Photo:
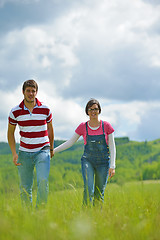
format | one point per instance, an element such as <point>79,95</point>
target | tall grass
<point>130,212</point>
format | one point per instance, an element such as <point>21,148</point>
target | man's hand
<point>51,152</point>
<point>12,143</point>
<point>111,173</point>
<point>15,159</point>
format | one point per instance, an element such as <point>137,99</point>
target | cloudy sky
<point>82,49</point>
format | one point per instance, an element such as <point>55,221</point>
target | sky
<point>82,49</point>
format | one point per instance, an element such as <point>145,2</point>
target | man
<point>36,143</point>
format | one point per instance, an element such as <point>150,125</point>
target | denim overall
<point>95,164</point>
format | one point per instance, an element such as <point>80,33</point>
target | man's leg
<point>26,170</point>
<point>42,169</point>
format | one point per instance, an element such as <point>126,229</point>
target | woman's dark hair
<point>90,103</point>
<point>30,83</point>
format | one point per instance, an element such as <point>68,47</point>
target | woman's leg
<point>101,177</point>
<point>88,178</point>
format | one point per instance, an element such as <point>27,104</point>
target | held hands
<point>111,173</point>
<point>51,152</point>
<point>15,159</point>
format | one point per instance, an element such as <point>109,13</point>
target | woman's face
<point>93,111</point>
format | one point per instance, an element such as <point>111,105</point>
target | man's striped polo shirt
<point>33,126</point>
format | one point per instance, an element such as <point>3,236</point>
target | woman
<point>98,159</point>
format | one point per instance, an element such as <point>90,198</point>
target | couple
<point>37,147</point>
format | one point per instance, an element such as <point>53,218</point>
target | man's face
<point>30,94</point>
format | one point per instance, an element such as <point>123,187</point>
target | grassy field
<point>130,212</point>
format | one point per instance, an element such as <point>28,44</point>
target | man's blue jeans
<point>95,180</point>
<point>29,160</point>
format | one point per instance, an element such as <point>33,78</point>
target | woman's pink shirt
<point>81,130</point>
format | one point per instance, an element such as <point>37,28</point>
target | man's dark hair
<point>30,83</point>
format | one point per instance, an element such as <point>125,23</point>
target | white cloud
<point>67,113</point>
<point>103,49</point>
<point>137,120</point>
<point>149,129</point>
<point>38,44</point>
<point>10,100</point>
<point>102,31</point>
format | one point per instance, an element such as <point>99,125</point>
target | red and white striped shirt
<point>32,125</point>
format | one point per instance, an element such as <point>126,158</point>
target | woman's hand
<point>111,173</point>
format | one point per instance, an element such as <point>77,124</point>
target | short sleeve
<point>80,129</point>
<point>11,119</point>
<point>49,118</point>
<point>108,128</point>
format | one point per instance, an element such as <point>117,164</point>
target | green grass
<point>130,212</point>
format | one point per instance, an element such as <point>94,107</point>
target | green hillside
<point>4,147</point>
<point>135,161</point>
<point>132,208</point>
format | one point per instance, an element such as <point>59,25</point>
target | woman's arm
<point>67,144</point>
<point>112,149</point>
<point>51,137</point>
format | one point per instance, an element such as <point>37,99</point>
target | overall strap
<point>86,129</point>
<point>103,127</point>
<point>87,133</point>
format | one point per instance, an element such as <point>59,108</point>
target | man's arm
<point>12,142</point>
<point>51,137</point>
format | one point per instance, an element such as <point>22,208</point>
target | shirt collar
<point>22,105</point>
